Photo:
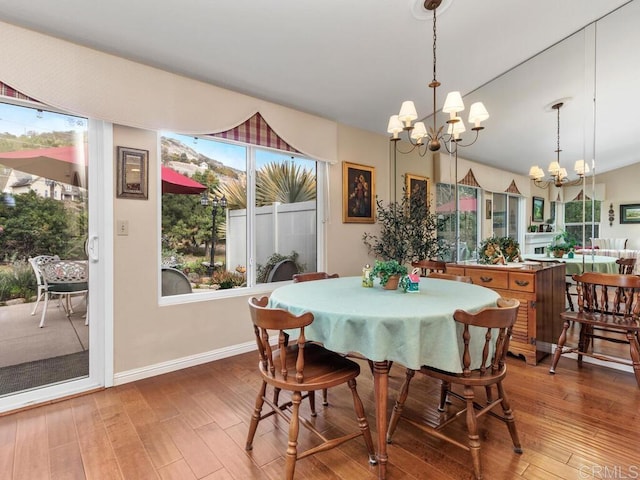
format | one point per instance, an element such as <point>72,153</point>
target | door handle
<point>92,248</point>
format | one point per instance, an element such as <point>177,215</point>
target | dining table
<point>580,263</point>
<point>383,326</point>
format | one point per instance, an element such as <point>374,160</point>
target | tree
<point>408,230</point>
<point>35,226</point>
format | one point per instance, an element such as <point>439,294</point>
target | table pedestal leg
<point>381,389</point>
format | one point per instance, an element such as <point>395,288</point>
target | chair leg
<point>44,308</point>
<point>444,396</point>
<point>276,396</point>
<point>561,341</point>
<point>397,408</point>
<point>569,299</point>
<point>312,403</point>
<point>325,399</point>
<point>294,427</point>
<point>35,307</point>
<point>472,432</point>
<point>634,346</point>
<point>362,421</point>
<point>509,420</point>
<point>255,418</point>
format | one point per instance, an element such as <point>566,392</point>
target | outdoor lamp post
<point>215,204</point>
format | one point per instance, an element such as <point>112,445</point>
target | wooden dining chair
<point>299,368</point>
<point>310,276</point>
<point>608,310</point>
<point>479,370</point>
<point>626,265</point>
<point>450,276</point>
<point>427,266</point>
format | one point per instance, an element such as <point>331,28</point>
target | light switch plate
<point>122,227</point>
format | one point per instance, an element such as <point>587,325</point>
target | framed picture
<point>358,193</point>
<point>538,210</point>
<point>417,185</point>
<point>630,213</point>
<point>488,208</point>
<point>132,173</point>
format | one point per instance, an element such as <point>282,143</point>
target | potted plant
<point>389,272</point>
<point>559,249</point>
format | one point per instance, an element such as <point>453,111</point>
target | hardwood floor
<point>577,424</point>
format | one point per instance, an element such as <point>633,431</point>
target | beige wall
<point>621,188</point>
<point>146,334</point>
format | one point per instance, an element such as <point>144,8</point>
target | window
<point>251,229</point>
<point>468,219</point>
<point>573,220</point>
<point>506,221</point>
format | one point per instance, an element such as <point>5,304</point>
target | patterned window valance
<point>7,91</point>
<point>513,188</point>
<point>469,179</point>
<point>256,131</point>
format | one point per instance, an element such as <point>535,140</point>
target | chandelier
<point>559,175</point>
<point>431,138</point>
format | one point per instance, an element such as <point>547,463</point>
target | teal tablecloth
<point>592,263</point>
<point>413,329</point>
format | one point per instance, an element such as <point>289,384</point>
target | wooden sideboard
<point>541,291</point>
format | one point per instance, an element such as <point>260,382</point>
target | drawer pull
<point>486,279</point>
<point>522,283</point>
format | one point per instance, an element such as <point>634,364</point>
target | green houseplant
<point>389,272</point>
<point>408,230</point>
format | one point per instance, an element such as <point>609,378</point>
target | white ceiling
<point>355,61</point>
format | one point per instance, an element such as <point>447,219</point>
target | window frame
<point>253,288</point>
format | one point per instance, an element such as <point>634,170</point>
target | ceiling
<point>355,61</point>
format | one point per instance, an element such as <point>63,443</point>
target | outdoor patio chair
<point>65,278</point>
<point>36,264</point>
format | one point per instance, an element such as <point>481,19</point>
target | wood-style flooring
<point>191,424</point>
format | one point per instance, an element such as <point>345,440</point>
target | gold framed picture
<point>417,185</point>
<point>358,193</point>
<point>132,173</point>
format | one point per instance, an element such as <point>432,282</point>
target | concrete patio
<point>21,340</point>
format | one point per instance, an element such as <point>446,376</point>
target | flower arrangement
<point>499,250</point>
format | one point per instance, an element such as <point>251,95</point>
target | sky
<point>234,155</point>
<point>18,120</point>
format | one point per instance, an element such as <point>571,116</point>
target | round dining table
<point>411,328</point>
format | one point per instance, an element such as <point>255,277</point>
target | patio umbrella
<point>62,164</point>
<point>174,182</point>
<point>466,205</point>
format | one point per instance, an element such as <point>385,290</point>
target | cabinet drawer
<point>455,270</point>
<point>490,278</point>
<point>522,282</point>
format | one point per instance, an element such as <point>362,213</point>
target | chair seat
<point>608,320</point>
<point>68,287</point>
<point>322,369</point>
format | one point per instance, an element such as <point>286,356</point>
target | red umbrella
<point>466,205</point>
<point>174,182</point>
<point>62,164</point>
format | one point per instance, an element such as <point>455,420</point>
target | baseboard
<point>178,364</point>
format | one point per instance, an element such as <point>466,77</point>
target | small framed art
<point>132,172</point>
<point>537,211</point>
<point>630,213</point>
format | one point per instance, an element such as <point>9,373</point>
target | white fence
<point>280,228</point>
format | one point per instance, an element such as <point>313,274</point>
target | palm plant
<point>285,183</point>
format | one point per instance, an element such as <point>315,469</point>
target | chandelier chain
<point>435,37</point>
